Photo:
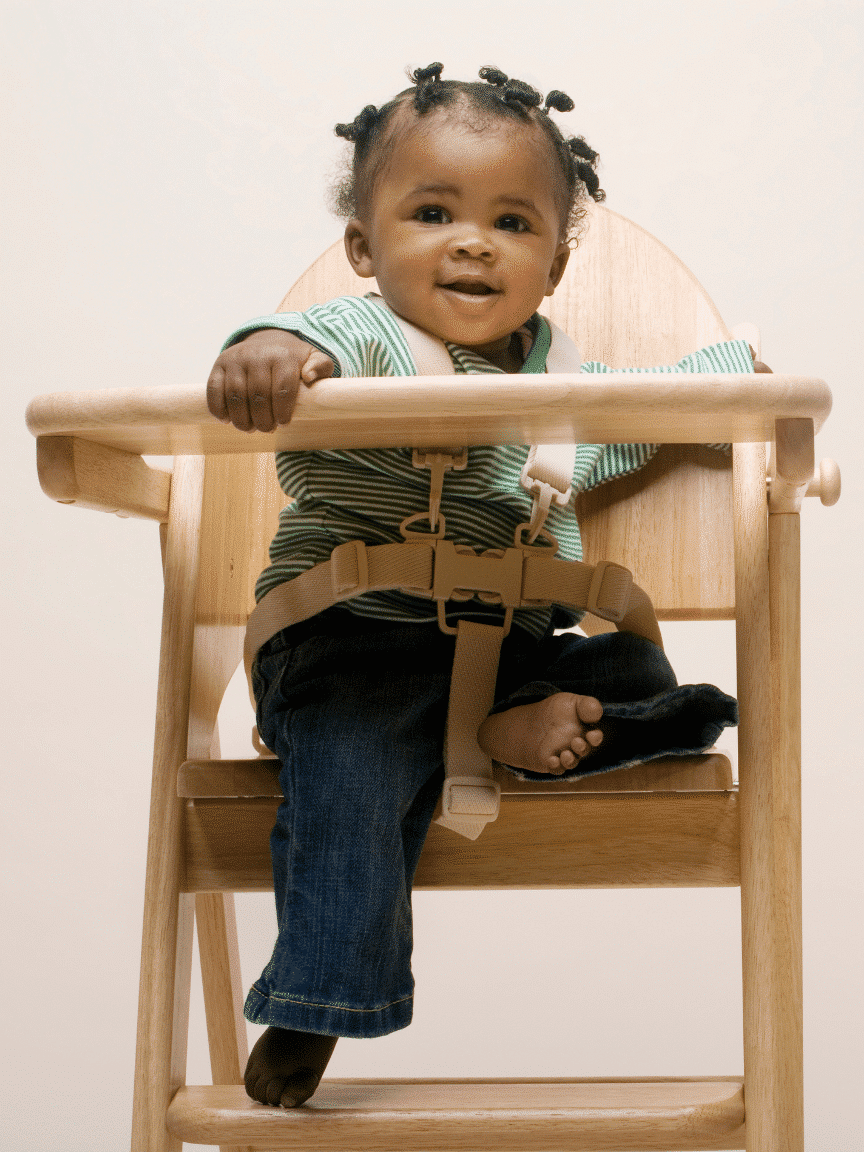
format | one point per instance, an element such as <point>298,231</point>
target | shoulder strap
<point>430,354</point>
<point>548,471</point>
<point>563,354</point>
<point>432,358</point>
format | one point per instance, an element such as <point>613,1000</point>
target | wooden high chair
<point>702,538</point>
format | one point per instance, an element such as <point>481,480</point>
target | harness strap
<point>471,797</point>
<point>428,565</point>
<point>547,473</point>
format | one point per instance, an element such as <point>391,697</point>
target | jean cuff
<point>327,1019</point>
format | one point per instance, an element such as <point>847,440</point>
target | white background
<point>164,175</point>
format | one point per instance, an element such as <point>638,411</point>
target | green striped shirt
<point>351,494</point>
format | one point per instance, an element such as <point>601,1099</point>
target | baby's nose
<point>475,244</point>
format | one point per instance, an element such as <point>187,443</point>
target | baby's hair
<point>373,136</point>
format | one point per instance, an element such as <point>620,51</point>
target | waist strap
<point>513,577</point>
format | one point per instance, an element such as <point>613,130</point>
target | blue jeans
<point>355,710</point>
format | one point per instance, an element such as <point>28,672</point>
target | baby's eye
<point>432,214</point>
<point>512,223</point>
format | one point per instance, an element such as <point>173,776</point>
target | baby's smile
<point>471,290</point>
<point>470,287</point>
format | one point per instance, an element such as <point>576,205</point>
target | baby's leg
<point>549,735</point>
<point>357,722</point>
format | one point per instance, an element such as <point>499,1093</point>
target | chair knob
<point>826,483</point>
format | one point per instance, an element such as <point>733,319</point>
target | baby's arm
<point>254,383</point>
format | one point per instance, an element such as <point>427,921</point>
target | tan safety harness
<point>425,564</point>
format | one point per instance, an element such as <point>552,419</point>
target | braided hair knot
<point>360,126</point>
<point>520,96</point>
<point>427,81</point>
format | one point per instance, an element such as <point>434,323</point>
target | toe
<point>274,1090</point>
<point>588,709</point>
<point>256,1087</point>
<point>300,1087</point>
<point>594,737</point>
<point>567,758</point>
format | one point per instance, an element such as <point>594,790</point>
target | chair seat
<point>474,1115</point>
<point>199,779</point>
<point>561,835</point>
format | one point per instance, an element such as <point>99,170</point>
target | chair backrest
<point>626,300</point>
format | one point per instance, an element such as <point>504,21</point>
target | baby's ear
<point>357,248</point>
<point>559,263</point>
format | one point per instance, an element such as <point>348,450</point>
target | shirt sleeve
<point>359,337</point>
<point>614,460</point>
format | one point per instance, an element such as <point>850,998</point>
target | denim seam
<point>333,1007</point>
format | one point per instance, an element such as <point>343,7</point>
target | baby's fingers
<point>237,397</point>
<point>260,397</point>
<point>317,367</point>
<point>216,402</point>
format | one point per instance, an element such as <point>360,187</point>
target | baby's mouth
<point>470,287</point>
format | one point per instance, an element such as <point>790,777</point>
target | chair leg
<point>770,819</point>
<point>785,607</point>
<point>223,990</point>
<point>166,950</point>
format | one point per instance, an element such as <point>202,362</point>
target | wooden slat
<point>643,840</point>
<point>198,779</point>
<point>475,1116</point>
<point>670,523</point>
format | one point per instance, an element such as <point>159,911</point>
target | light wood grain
<point>476,1115</point>
<point>792,464</point>
<point>769,839</point>
<point>198,779</point>
<point>671,523</point>
<point>575,840</point>
<point>223,990</point>
<point>166,948</point>
<point>240,506</point>
<point>75,471</point>
<point>428,410</point>
<point>787,1031</point>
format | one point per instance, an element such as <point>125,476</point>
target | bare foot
<point>285,1066</point>
<point>550,735</point>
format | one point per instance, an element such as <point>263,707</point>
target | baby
<point>461,202</point>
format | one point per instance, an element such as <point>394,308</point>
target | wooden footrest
<point>474,1116</point>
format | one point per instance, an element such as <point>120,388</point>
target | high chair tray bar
<point>426,411</point>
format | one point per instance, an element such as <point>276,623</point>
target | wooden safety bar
<point>425,411</point>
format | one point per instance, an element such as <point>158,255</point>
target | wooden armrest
<point>75,471</point>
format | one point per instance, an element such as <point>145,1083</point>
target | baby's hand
<point>254,384</point>
<point>758,366</point>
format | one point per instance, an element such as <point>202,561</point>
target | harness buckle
<point>476,796</point>
<point>459,572</point>
<point>349,569</point>
<point>609,593</point>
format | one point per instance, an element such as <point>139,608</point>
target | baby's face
<point>463,232</point>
